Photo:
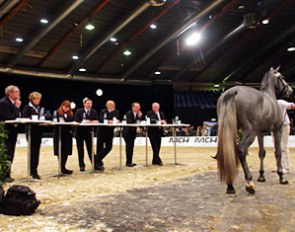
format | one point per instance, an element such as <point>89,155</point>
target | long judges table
<point>59,125</point>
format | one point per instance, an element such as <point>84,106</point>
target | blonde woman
<point>33,108</point>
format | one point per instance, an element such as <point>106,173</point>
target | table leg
<point>146,147</point>
<point>29,151</point>
<point>120,149</point>
<point>59,150</point>
<point>92,152</point>
<point>174,134</point>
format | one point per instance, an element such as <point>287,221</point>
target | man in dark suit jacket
<point>105,134</point>
<point>155,133</point>
<point>129,133</point>
<point>83,133</point>
<point>10,110</point>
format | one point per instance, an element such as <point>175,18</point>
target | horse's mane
<point>265,82</point>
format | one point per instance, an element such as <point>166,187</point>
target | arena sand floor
<point>185,197</point>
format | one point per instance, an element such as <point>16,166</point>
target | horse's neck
<point>269,90</point>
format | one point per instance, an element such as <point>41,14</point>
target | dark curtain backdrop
<point>54,91</point>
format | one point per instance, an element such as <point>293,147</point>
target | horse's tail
<point>227,150</point>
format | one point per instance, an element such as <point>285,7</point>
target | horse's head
<point>278,81</point>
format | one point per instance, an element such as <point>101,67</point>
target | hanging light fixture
<point>89,26</point>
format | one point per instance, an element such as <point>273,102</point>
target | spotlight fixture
<point>157,72</point>
<point>127,53</point>
<point>73,105</point>
<point>241,7</point>
<point>157,2</point>
<point>265,21</point>
<point>75,57</point>
<point>113,39</point>
<point>291,49</point>
<point>99,92</point>
<point>153,26</point>
<point>44,21</point>
<point>19,39</point>
<point>193,39</point>
<point>89,26</point>
<point>82,69</point>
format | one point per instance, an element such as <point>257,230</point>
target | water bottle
<point>105,119</point>
<point>114,120</point>
<point>42,116</point>
<point>55,116</point>
<point>176,120</point>
<point>124,119</point>
<point>148,120</point>
<point>84,117</point>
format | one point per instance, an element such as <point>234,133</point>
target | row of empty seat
<point>200,99</point>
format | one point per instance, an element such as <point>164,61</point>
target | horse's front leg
<point>261,177</point>
<point>247,140</point>
<point>278,154</point>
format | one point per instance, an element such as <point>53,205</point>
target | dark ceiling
<point>235,46</point>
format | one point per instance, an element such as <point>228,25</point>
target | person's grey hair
<point>9,89</point>
<point>86,99</point>
<point>156,103</point>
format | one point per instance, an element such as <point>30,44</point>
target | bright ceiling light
<point>153,26</point>
<point>241,7</point>
<point>291,49</point>
<point>89,27</point>
<point>82,69</point>
<point>73,105</point>
<point>19,39</point>
<point>127,53</point>
<point>113,39</point>
<point>75,57</point>
<point>44,21</point>
<point>99,92</point>
<point>265,21</point>
<point>157,72</point>
<point>216,85</point>
<point>193,39</point>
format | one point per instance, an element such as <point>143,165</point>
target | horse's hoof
<point>284,182</point>
<point>261,179</point>
<point>214,157</point>
<point>230,190</point>
<point>250,188</point>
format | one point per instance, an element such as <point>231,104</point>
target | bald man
<point>105,134</point>
<point>155,133</point>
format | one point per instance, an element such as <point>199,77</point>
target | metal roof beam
<point>12,11</point>
<point>100,6</point>
<point>7,6</point>
<point>173,36</point>
<point>44,32</point>
<point>137,33</point>
<point>257,58</point>
<point>140,9</point>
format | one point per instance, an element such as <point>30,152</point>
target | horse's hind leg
<point>247,140</point>
<point>261,177</point>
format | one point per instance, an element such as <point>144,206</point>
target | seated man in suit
<point>155,133</point>
<point>10,110</point>
<point>105,134</point>
<point>83,133</point>
<point>129,133</point>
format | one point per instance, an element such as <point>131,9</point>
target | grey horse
<point>254,112</point>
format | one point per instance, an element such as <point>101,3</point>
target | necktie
<point>158,115</point>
